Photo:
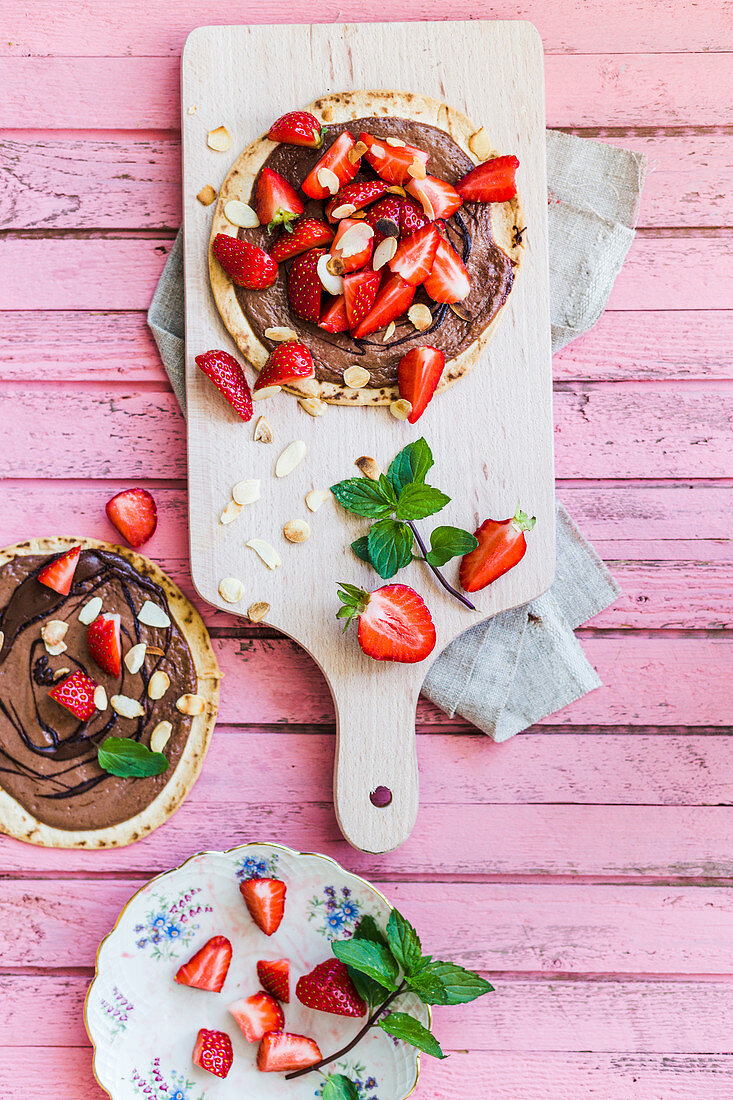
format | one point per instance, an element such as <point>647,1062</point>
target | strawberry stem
<point>436,571</point>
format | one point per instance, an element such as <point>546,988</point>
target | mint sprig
<point>127,758</point>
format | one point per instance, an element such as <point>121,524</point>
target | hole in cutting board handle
<point>380,797</point>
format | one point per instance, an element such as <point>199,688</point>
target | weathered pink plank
<point>659,271</point>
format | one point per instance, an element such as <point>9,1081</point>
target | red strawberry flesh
<point>274,975</point>
<point>229,378</point>
<point>392,162</point>
<point>244,263</point>
<point>333,316</point>
<point>256,1015</point>
<point>281,1052</point>
<point>76,693</point>
<point>134,514</point>
<point>393,299</point>
<point>438,198</point>
<point>59,573</point>
<point>103,642</point>
<point>357,195</point>
<point>304,285</point>
<point>396,625</point>
<point>492,181</point>
<point>276,202</point>
<point>265,900</point>
<point>418,375</point>
<point>501,544</point>
<point>287,363</point>
<point>207,969</point>
<point>329,988</point>
<point>297,128</point>
<point>448,280</point>
<point>336,159</point>
<point>413,260</point>
<point>360,291</point>
<point>306,233</point>
<point>213,1052</point>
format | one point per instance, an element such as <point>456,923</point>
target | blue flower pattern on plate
<point>337,912</point>
<point>257,867</point>
<point>169,924</point>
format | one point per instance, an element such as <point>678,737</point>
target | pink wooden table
<point>588,863</point>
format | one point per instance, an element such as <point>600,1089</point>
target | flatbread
<point>344,107</point>
<point>17,822</point>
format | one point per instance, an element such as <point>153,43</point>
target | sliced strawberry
<point>297,128</point>
<point>394,622</point>
<point>245,263</point>
<point>287,363</point>
<point>360,291</point>
<point>336,159</point>
<point>414,257</point>
<point>207,969</point>
<point>329,988</point>
<point>213,1052</point>
<point>265,899</point>
<point>333,317</point>
<point>134,514</point>
<point>274,975</point>
<point>492,181</point>
<point>228,377</point>
<point>103,642</point>
<point>304,285</point>
<point>387,212</point>
<point>501,544</point>
<point>412,217</point>
<point>418,374</point>
<point>353,245</point>
<point>437,197</point>
<point>276,202</point>
<point>393,299</point>
<point>256,1015</point>
<point>305,234</point>
<point>59,573</point>
<point>393,162</point>
<point>281,1051</point>
<point>448,280</point>
<point>76,693</point>
<point>356,195</point>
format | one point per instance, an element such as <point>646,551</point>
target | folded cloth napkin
<point>514,669</point>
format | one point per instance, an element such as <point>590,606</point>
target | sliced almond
<point>152,615</point>
<point>333,284</point>
<point>427,205</point>
<point>55,650</point>
<point>396,189</point>
<point>388,332</point>
<point>329,180</point>
<point>268,553</point>
<point>268,391</point>
<point>296,530</point>
<point>90,610</point>
<point>160,736</point>
<point>480,145</point>
<point>257,611</point>
<point>135,657</point>
<point>316,498</point>
<point>191,704</point>
<point>126,707</point>
<point>263,430</point>
<point>377,150</point>
<point>232,511</point>
<point>2,639</point>
<point>313,405</point>
<point>355,239</point>
<point>356,377</point>
<point>400,409</point>
<point>369,467</point>
<point>206,195</point>
<point>219,139</point>
<point>417,169</point>
<point>395,142</point>
<point>384,252</point>
<point>54,632</point>
<point>293,454</point>
<point>280,333</point>
<point>158,684</point>
<point>100,697</point>
<point>246,492</point>
<point>420,316</point>
<point>59,673</point>
<point>154,651</point>
<point>459,311</point>
<point>231,589</point>
<point>344,211</point>
<point>355,152</point>
<point>241,214</point>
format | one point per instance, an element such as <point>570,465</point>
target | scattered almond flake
<point>396,189</point>
<point>378,151</point>
<point>395,142</point>
<point>160,736</point>
<point>262,395</point>
<point>231,589</point>
<point>192,110</point>
<point>191,704</point>
<point>356,377</point>
<point>246,492</point>
<point>268,553</point>
<point>334,284</point>
<point>126,707</point>
<point>417,169</point>
<point>55,650</point>
<point>257,611</point>
<point>427,206</point>
<point>316,498</point>
<point>206,195</point>
<point>384,252</point>
<point>329,180</point>
<point>335,265</point>
<point>54,632</point>
<point>59,673</point>
<point>280,333</point>
<point>158,684</point>
<point>480,145</point>
<point>355,152</point>
<point>369,467</point>
<point>241,214</point>
<point>460,311</point>
<point>293,454</point>
<point>312,405</point>
<point>344,211</point>
<point>358,214</point>
<point>263,430</point>
<point>400,409</point>
<point>388,332</point>
<point>100,697</point>
<point>296,530</point>
<point>90,610</point>
<point>135,657</point>
<point>219,139</point>
<point>355,240</point>
<point>2,639</point>
<point>232,511</point>
<point>153,650</point>
<point>152,615</point>
<point>420,316</point>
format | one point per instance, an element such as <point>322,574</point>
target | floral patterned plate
<point>143,1025</point>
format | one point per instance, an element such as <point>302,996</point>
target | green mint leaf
<point>389,546</point>
<point>361,548</point>
<point>368,958</point>
<point>368,990</point>
<point>338,1087</point>
<point>460,985</point>
<point>127,758</point>
<point>368,929</point>
<point>404,942</point>
<point>411,464</point>
<point>428,987</point>
<point>411,1031</point>
<point>418,501</point>
<point>374,499</point>
<point>449,542</point>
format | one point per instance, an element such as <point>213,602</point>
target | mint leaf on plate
<point>428,987</point>
<point>407,1028</point>
<point>404,942</point>
<point>389,546</point>
<point>338,1087</point>
<point>449,542</point>
<point>411,464</point>
<point>361,548</point>
<point>418,501</point>
<point>460,985</point>
<point>364,497</point>
<point>368,958</point>
<point>368,990</point>
<point>127,758</point>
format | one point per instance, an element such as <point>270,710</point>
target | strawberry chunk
<point>492,181</point>
<point>207,969</point>
<point>76,693</point>
<point>297,128</point>
<point>393,299</point>
<point>353,244</point>
<point>360,291</point>
<point>418,374</point>
<point>276,202</point>
<point>305,233</point>
<point>287,363</point>
<point>501,544</point>
<point>256,1015</point>
<point>437,197</point>
<point>281,1051</point>
<point>213,1052</point>
<point>393,162</point>
<point>244,263</point>
<point>103,642</point>
<point>336,160</point>
<point>304,285</point>
<point>265,899</point>
<point>414,257</point>
<point>59,573</point>
<point>333,317</point>
<point>356,195</point>
<point>274,975</point>
<point>134,513</point>
<point>394,622</point>
<point>329,988</point>
<point>412,217</point>
<point>448,280</point>
<point>229,378</point>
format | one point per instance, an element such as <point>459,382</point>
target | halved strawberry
<point>492,181</point>
<point>287,363</point>
<point>213,1052</point>
<point>394,622</point>
<point>501,544</point>
<point>304,285</point>
<point>356,195</point>
<point>256,1015</point>
<point>76,693</point>
<point>275,202</point>
<point>437,197</point>
<point>392,162</point>
<point>274,975</point>
<point>333,317</point>
<point>360,291</point>
<point>245,263</point>
<point>329,988</point>
<point>134,514</point>
<point>59,573</point>
<point>414,257</point>
<point>412,217</point>
<point>229,378</point>
<point>207,969</point>
<point>103,642</point>
<point>353,244</point>
<point>297,128</point>
<point>281,1051</point>
<point>336,159</point>
<point>418,374</point>
<point>448,280</point>
<point>305,233</point>
<point>393,299</point>
<point>265,899</point>
<point>387,211</point>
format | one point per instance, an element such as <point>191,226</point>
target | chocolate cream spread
<point>47,756</point>
<point>469,231</point>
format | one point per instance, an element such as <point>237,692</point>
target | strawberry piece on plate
<point>393,162</point>
<point>297,128</point>
<point>333,317</point>
<point>353,197</point>
<point>213,1052</point>
<point>360,291</point>
<point>265,899</point>
<point>76,693</point>
<point>305,233</point>
<point>393,299</point>
<point>59,573</point>
<point>287,363</point>
<point>448,280</point>
<point>437,197</point>
<point>339,169</point>
<point>228,377</point>
<point>276,202</point>
<point>281,1051</point>
<point>256,1015</point>
<point>134,514</point>
<point>207,969</point>
<point>413,260</point>
<point>329,988</point>
<point>352,246</point>
<point>305,286</point>
<point>384,218</point>
<point>394,622</point>
<point>412,217</point>
<point>492,181</point>
<point>274,975</point>
<point>418,374</point>
<point>501,544</point>
<point>245,263</point>
<point>103,642</point>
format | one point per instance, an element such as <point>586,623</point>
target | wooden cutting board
<point>491,433</point>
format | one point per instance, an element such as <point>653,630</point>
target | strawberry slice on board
<point>340,170</point>
<point>297,128</point>
<point>393,162</point>
<point>352,246</point>
<point>353,197</point>
<point>59,573</point>
<point>413,260</point>
<point>265,900</point>
<point>281,1051</point>
<point>393,300</point>
<point>384,217</point>
<point>288,362</point>
<point>213,1052</point>
<point>208,968</point>
<point>76,693</point>
<point>229,378</point>
<point>274,975</point>
<point>103,643</point>
<point>305,286</point>
<point>501,544</point>
<point>134,513</point>
<point>418,375</point>
<point>276,202</point>
<point>448,280</point>
<point>244,263</point>
<point>329,988</point>
<point>394,622</point>
<point>256,1015</point>
<point>437,198</point>
<point>360,292</point>
<point>304,234</point>
<point>333,317</point>
<point>492,181</point>
<point>412,217</point>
